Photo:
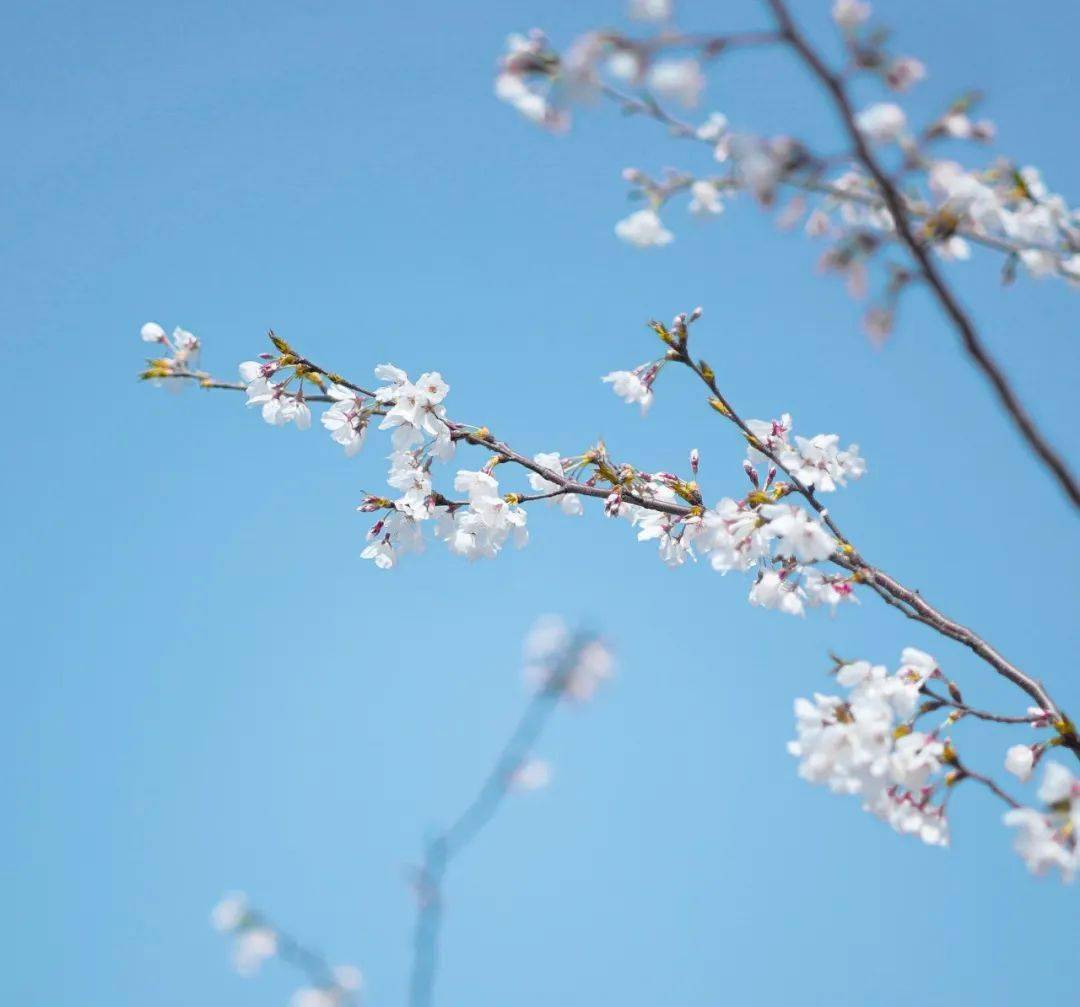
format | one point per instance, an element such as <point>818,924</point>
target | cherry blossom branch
<point>579,664</point>
<point>206,381</point>
<point>865,745</point>
<point>888,588</point>
<point>906,600</point>
<point>790,162</point>
<point>976,350</point>
<point>649,106</point>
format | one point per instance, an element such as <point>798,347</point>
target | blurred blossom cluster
<point>256,940</point>
<point>557,660</point>
<point>998,203</point>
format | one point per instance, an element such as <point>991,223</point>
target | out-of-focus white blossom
<point>346,980</point>
<point>849,14</point>
<point>883,122</point>
<point>713,128</point>
<point>532,774</point>
<point>904,73</point>
<point>679,80</point>
<point>651,10</point>
<point>230,912</point>
<point>560,662</point>
<point>253,946</point>
<point>1048,839</point>
<point>348,977</point>
<point>524,81</point>
<point>644,229</point>
<point>547,639</point>
<point>1020,761</point>
<point>705,199</point>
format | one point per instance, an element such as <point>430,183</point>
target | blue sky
<point>207,689</point>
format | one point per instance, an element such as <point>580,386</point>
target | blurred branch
<point>442,849</point>
<point>897,206</point>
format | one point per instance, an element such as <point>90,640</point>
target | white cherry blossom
<point>797,533</point>
<point>705,201</point>
<point>644,229</point>
<point>849,14</point>
<point>1020,761</point>
<point>883,122</point>
<point>862,745</point>
<point>568,503</point>
<point>631,388</point>
<point>346,419</point>
<point>651,10</point>
<point>680,80</point>
<point>230,912</point>
<point>532,774</point>
<point>253,946</point>
<point>1048,839</point>
<point>773,590</point>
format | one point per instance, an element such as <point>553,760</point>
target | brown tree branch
<point>890,590</point>
<point>970,339</point>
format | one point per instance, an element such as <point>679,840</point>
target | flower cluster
<point>525,80</point>
<point>758,533</point>
<point>182,352</point>
<point>777,542</point>
<point>1003,206</point>
<point>557,662</point>
<point>865,743</point>
<point>1050,838</point>
<point>862,744</point>
<point>255,941</point>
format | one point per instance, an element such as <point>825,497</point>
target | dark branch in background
<point>651,108</point>
<point>972,343</point>
<point>451,842</point>
<point>313,965</point>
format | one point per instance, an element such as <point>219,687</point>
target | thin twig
<point>979,714</point>
<point>970,774</point>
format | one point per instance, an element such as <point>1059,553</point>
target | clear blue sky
<point>207,689</point>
